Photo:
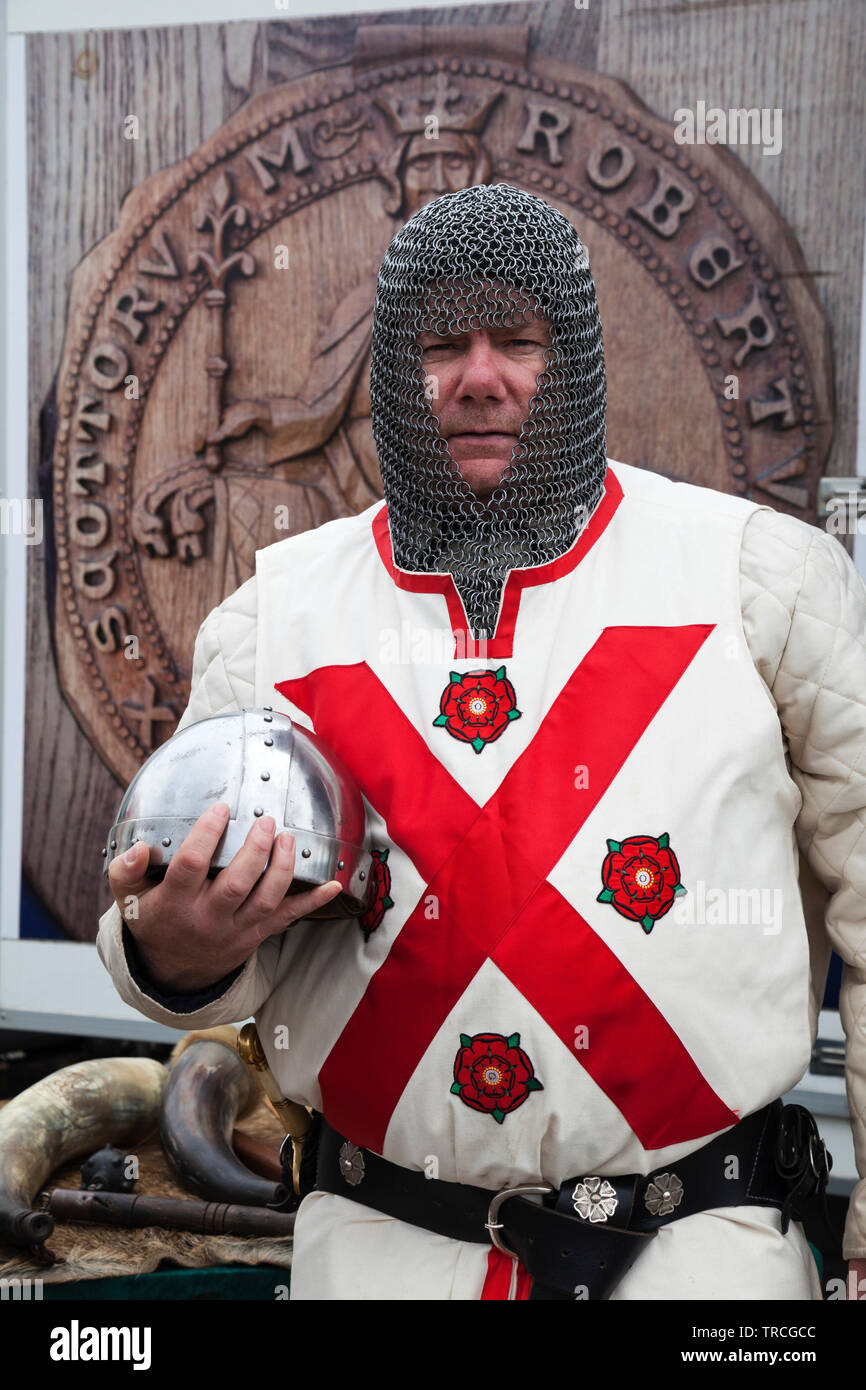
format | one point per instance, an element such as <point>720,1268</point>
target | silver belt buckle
<point>494,1226</point>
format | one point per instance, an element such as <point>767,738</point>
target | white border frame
<point>45,986</point>
<point>860,539</point>
<point>13,549</point>
<point>58,986</point>
<point>53,16</point>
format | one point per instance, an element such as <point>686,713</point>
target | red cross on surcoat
<point>487,868</point>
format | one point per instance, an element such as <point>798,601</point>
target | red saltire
<point>488,868</point>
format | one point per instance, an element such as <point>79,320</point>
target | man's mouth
<point>482,434</point>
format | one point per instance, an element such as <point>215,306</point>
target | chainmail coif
<point>488,255</point>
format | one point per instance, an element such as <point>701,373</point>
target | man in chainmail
<point>624,729</point>
<point>487,256</point>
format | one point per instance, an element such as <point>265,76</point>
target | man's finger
<point>234,884</point>
<point>188,870</point>
<point>127,875</point>
<point>270,891</point>
<point>299,905</point>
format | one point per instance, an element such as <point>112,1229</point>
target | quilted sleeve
<point>804,612</point>
<point>224,660</point>
<point>223,679</point>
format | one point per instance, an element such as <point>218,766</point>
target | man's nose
<point>481,371</point>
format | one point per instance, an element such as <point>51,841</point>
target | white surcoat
<point>588,951</point>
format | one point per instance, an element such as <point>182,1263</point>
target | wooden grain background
<point>805,56</point>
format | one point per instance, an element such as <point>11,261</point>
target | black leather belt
<point>578,1240</point>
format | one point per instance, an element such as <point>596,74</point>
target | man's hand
<point>191,930</point>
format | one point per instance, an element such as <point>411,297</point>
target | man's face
<point>481,383</point>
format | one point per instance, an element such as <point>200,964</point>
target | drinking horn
<point>62,1117</point>
<point>209,1088</point>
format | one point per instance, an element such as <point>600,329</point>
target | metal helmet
<point>489,255</point>
<point>260,763</point>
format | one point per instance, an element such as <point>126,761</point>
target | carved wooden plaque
<point>213,394</point>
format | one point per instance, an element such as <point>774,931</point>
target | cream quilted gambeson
<point>804,611</point>
<point>804,615</point>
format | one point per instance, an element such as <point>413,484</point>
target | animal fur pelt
<point>96,1252</point>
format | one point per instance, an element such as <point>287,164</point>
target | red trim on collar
<point>501,645</point>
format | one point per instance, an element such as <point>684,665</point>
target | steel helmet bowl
<point>260,763</point>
